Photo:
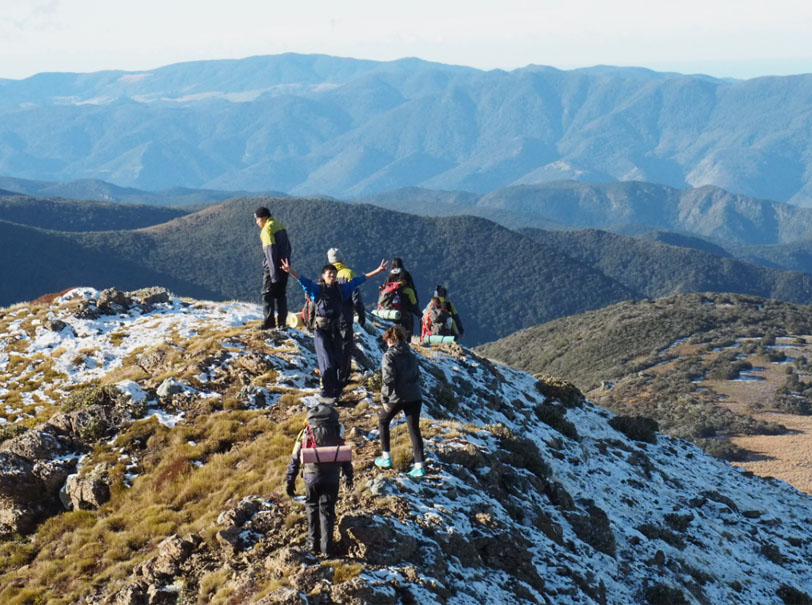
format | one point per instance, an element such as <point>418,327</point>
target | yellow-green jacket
<point>275,247</point>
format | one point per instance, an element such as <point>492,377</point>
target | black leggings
<point>412,411</point>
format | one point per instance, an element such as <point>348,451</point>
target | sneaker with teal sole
<point>417,472</point>
<point>383,462</point>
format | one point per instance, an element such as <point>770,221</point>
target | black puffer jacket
<point>400,375</point>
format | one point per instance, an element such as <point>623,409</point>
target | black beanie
<point>262,212</point>
<point>397,263</point>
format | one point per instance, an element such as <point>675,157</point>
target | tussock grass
<point>244,452</point>
<point>344,571</point>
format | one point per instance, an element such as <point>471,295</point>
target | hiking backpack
<point>391,296</point>
<point>438,320</point>
<point>310,307</point>
<point>322,442</point>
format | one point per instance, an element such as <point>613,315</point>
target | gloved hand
<point>348,485</point>
<point>290,490</point>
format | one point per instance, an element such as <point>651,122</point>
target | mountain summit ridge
<point>532,493</point>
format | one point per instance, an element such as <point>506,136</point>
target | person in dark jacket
<point>352,306</point>
<point>328,295</point>
<point>400,390</point>
<point>275,249</point>
<point>321,485</point>
<point>410,302</point>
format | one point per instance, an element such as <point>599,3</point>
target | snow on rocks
<point>530,496</point>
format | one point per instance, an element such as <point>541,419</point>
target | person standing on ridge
<point>352,306</point>
<point>400,390</point>
<point>275,249</point>
<point>399,286</point>
<point>328,296</point>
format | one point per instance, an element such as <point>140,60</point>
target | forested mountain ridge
<point>310,124</point>
<point>99,190</point>
<point>708,212</point>
<point>490,272</point>
<point>655,269</point>
<point>80,215</point>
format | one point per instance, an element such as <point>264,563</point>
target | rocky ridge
<point>166,425</point>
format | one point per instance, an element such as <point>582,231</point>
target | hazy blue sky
<point>739,38</point>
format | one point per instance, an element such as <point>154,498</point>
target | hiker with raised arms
<point>400,390</point>
<point>352,306</point>
<point>328,297</point>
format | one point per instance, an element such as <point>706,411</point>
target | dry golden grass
<point>244,452</point>
<point>786,457</point>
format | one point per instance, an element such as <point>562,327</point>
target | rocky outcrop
<point>87,492</point>
<point>112,301</point>
<point>375,540</point>
<point>35,466</point>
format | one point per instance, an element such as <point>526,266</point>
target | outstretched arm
<point>381,268</point>
<point>286,267</point>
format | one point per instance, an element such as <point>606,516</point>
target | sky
<point>722,38</point>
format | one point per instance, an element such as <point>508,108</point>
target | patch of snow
<point>78,294</point>
<point>165,418</point>
<point>132,389</point>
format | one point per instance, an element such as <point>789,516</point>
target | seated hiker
<point>437,319</point>
<point>441,293</point>
<point>352,306</point>
<point>398,293</point>
<point>321,479</point>
<point>328,297</point>
<point>400,390</point>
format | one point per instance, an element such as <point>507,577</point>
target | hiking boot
<point>383,462</point>
<point>417,472</point>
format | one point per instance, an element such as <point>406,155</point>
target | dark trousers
<point>274,293</point>
<point>407,321</point>
<point>347,348</point>
<point>320,507</point>
<point>412,411</point>
<point>328,352</point>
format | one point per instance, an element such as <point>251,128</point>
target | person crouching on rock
<point>328,296</point>
<point>400,390</point>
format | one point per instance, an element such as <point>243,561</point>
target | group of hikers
<point>331,305</point>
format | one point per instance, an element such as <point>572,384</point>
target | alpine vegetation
<point>144,445</point>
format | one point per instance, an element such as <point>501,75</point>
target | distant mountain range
<point>629,207</point>
<point>98,190</point>
<point>308,124</point>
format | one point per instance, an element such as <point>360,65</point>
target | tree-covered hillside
<point>501,281</point>
<point>621,339</point>
<point>658,269</point>
<point>630,207</point>
<point>80,215</point>
<point>36,262</point>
